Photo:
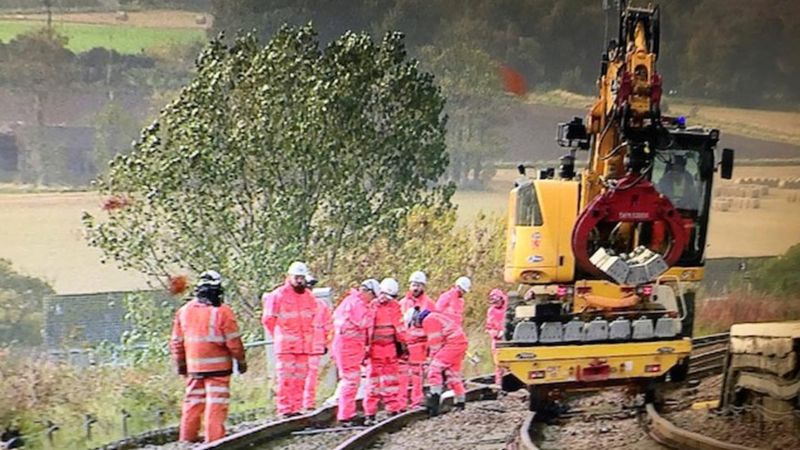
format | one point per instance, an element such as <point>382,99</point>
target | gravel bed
<point>484,425</point>
<point>739,429</point>
<point>229,429</point>
<point>604,425</point>
<point>309,442</point>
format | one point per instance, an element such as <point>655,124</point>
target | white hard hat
<point>298,268</point>
<point>464,283</point>
<point>210,278</point>
<point>418,277</point>
<point>372,285</point>
<point>390,287</point>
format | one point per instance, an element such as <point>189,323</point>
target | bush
<point>716,316</point>
<point>431,242</point>
<point>21,306</point>
<point>779,277</point>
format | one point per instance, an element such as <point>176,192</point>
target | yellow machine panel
<point>593,362</point>
<point>541,216</point>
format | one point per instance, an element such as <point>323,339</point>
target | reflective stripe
<point>223,401</point>
<point>218,389</point>
<point>177,338</point>
<point>183,319</point>
<point>391,388</point>
<point>390,378</point>
<point>287,315</point>
<point>353,334</point>
<point>196,392</point>
<point>195,401</point>
<point>435,335</point>
<point>220,359</point>
<point>212,322</point>
<point>233,335</point>
<point>205,339</point>
<point>288,338</point>
<point>291,375</point>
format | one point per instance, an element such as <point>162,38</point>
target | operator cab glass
<point>683,172</point>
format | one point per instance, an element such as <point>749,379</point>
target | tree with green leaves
<point>275,153</point>
<point>476,105</point>
<point>21,300</point>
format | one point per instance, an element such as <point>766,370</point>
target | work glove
<point>401,349</point>
<point>181,369</point>
<point>242,366</point>
<point>325,351</point>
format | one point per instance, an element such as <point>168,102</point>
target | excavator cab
<point>683,171</point>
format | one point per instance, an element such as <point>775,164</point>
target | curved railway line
<point>317,429</point>
<point>708,358</point>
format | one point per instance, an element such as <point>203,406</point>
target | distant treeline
<point>742,52</point>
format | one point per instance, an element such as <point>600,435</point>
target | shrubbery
<point>769,293</point>
<point>20,307</point>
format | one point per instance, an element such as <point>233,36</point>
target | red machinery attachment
<point>633,200</point>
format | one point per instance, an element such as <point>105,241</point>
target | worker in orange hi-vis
<point>205,341</point>
<point>447,345</point>
<point>288,316</point>
<point>323,334</point>
<point>412,366</point>
<point>451,302</point>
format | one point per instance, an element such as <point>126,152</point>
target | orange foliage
<point>178,284</point>
<point>115,202</point>
<point>513,81</point>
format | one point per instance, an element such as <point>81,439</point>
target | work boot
<point>460,406</point>
<point>369,421</point>
<point>349,423</point>
<point>432,405</point>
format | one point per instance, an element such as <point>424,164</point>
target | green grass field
<point>122,38</point>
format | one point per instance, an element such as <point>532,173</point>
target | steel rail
<point>326,416</point>
<point>366,438</point>
<point>666,433</point>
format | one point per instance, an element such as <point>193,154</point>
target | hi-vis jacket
<point>206,339</point>
<point>289,317</point>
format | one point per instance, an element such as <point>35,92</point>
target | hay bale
<point>121,16</point>
<point>200,19</point>
<point>722,204</point>
<point>755,203</point>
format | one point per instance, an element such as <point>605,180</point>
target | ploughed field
<point>42,234</point>
<point>140,31</point>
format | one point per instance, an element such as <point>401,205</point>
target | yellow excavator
<point>608,260</point>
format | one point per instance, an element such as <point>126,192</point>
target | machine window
<point>528,211</point>
<point>677,175</point>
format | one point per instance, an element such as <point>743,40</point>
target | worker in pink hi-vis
<point>412,366</point>
<point>288,316</point>
<point>447,346</point>
<point>323,333</point>
<point>496,326</point>
<point>451,302</point>
<point>351,322</point>
<point>386,344</point>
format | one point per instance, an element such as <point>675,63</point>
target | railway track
<point>708,357</point>
<point>316,430</point>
